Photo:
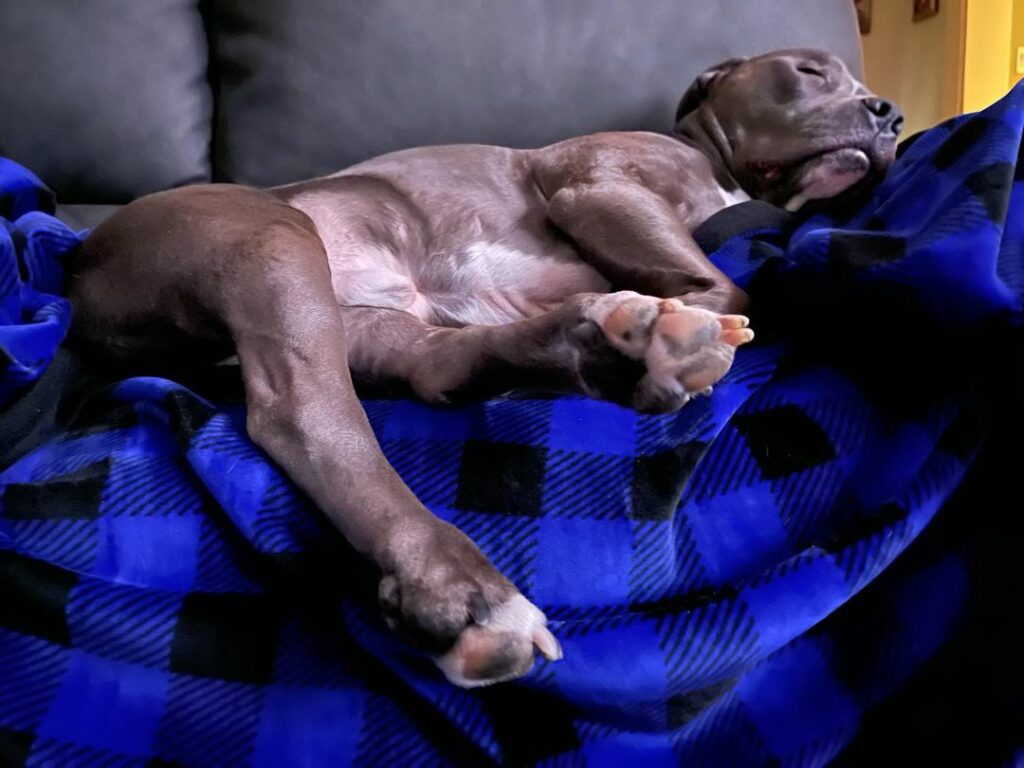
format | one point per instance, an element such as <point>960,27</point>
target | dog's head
<point>791,126</point>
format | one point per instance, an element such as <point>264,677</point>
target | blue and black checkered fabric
<point>722,579</point>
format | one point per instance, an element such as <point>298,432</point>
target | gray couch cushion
<point>105,99</point>
<point>80,217</point>
<point>310,86</point>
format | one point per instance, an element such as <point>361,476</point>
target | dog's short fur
<point>463,271</point>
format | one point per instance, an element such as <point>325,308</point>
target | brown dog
<point>467,271</point>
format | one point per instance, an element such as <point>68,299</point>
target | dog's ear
<point>701,87</point>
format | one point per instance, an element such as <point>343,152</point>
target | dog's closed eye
<point>809,70</point>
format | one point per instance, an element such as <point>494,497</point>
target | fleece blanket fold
<point>722,579</point>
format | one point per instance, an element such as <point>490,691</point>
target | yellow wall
<point>917,65</point>
<point>1016,38</point>
<point>988,54</point>
<point>959,61</point>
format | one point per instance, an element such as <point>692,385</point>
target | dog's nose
<point>879,107</point>
<point>886,114</point>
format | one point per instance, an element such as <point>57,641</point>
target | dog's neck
<point>701,130</point>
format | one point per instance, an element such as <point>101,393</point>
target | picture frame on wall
<point>863,15</point>
<point>925,9</point>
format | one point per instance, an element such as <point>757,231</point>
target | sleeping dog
<point>466,271</point>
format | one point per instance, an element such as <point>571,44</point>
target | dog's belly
<point>489,283</point>
<point>453,235</point>
<point>474,283</point>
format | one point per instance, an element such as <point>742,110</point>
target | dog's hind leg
<point>228,265</point>
<point>649,353</point>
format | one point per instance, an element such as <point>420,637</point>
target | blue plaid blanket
<point>722,579</point>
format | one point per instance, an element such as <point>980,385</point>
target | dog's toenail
<point>547,644</point>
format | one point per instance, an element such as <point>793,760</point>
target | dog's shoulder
<point>628,144</point>
<point>619,156</point>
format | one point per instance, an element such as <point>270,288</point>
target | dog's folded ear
<point>701,87</point>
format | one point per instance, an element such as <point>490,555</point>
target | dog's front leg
<point>634,238</point>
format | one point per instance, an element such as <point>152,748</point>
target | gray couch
<point>107,100</point>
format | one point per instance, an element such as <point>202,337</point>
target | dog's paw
<point>452,602</point>
<point>501,646</point>
<point>675,351</point>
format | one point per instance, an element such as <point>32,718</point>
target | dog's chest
<point>704,202</point>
